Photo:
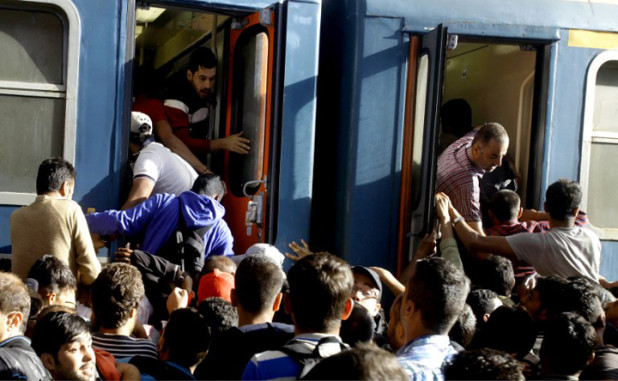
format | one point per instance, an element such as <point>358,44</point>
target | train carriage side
<point>530,65</point>
<point>84,99</point>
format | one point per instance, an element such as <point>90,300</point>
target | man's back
<point>565,252</point>
<point>122,347</point>
<point>52,226</point>
<point>169,172</point>
<point>230,353</point>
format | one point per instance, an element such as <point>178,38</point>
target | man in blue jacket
<point>157,218</point>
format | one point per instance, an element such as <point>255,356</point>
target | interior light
<point>149,14</point>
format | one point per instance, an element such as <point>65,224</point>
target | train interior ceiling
<point>497,80</point>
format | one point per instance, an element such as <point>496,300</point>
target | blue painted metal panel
<point>497,15</point>
<point>374,162</point>
<point>298,125</point>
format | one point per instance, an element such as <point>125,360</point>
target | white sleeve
<point>148,165</point>
<point>527,246</point>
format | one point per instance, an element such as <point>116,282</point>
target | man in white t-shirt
<point>156,169</point>
<point>565,250</point>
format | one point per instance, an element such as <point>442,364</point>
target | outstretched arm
<point>233,143</point>
<point>140,191</point>
<point>164,131</point>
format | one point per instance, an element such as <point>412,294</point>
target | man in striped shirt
<point>116,294</point>
<point>462,165</point>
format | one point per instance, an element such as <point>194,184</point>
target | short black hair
<point>116,291</point>
<point>549,289</point>
<point>462,332</point>
<point>186,336</point>
<point>568,344</point>
<point>579,296</point>
<point>52,174</point>
<point>52,275</point>
<point>496,273</point>
<point>505,205</point>
<point>209,184</point>
<point>14,297</point>
<point>359,327</point>
<point>364,362</point>
<point>490,131</point>
<point>55,329</point>
<point>258,281</point>
<point>219,314</point>
<point>483,364</point>
<point>509,329</point>
<point>438,290</point>
<point>482,302</point>
<point>203,57</point>
<point>562,198</point>
<point>320,286</point>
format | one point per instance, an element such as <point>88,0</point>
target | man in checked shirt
<point>462,165</point>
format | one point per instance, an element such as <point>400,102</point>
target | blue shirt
<point>271,365</point>
<point>422,358</point>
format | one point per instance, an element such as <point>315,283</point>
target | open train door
<point>254,71</point>
<point>422,121</point>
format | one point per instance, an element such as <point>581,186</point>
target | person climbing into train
<point>183,119</point>
<point>156,169</point>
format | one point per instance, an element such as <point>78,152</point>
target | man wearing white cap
<point>156,169</point>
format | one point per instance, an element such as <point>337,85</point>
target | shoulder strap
<point>308,360</point>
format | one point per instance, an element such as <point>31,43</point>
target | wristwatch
<point>457,220</point>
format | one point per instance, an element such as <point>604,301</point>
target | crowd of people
<point>496,292</point>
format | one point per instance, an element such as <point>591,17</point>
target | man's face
<point>366,293</point>
<point>75,360</point>
<point>489,156</point>
<point>67,298</point>
<point>203,80</point>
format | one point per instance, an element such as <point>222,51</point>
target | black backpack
<point>185,247</point>
<point>308,360</point>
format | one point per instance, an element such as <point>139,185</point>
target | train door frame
<point>275,90</point>
<point>411,233</point>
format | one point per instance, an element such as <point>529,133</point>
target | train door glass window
<point>249,109</point>
<point>33,92</point>
<point>600,143</point>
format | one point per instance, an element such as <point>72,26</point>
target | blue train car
<point>544,69</point>
<point>66,89</point>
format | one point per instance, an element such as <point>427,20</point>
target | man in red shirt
<point>182,120</point>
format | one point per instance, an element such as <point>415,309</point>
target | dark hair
<point>438,290</point>
<point>203,57</point>
<point>496,273</point>
<point>489,131</point>
<point>482,302</point>
<point>359,327</point>
<point>365,362</point>
<point>186,337</point>
<point>320,286</point>
<point>464,328</point>
<point>116,291</point>
<point>483,364</point>
<point>208,184</point>
<point>220,315</point>
<point>52,174</point>
<point>258,281</point>
<point>505,205</point>
<point>567,345</point>
<point>580,297</point>
<point>456,117</point>
<point>55,329</point>
<point>549,289</point>
<point>562,198</point>
<point>52,275</point>
<point>14,297</point>
<point>509,329</point>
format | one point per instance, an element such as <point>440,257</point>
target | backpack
<point>185,247</point>
<point>308,360</point>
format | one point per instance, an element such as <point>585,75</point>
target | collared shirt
<point>460,178</point>
<point>422,358</point>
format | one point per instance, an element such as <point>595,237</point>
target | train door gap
<point>243,43</point>
<point>498,80</point>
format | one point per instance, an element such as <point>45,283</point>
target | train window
<point>600,143</point>
<point>419,127</point>
<point>37,119</point>
<point>249,109</point>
